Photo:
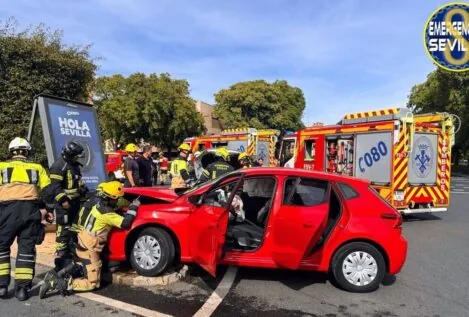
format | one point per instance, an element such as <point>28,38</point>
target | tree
<point>259,104</point>
<point>155,108</point>
<point>36,61</point>
<point>445,91</point>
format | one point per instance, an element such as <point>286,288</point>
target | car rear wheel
<point>152,252</point>
<point>358,267</point>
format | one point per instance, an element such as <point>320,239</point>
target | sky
<point>346,55</point>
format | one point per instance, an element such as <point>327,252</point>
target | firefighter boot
<point>21,293</point>
<point>52,282</point>
<point>3,292</point>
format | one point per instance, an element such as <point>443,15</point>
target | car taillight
<point>393,216</point>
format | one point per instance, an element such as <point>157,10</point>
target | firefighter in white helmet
<point>20,184</point>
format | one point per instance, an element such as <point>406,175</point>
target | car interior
<point>256,194</point>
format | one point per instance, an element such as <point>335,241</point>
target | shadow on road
<point>296,280</point>
<point>421,217</point>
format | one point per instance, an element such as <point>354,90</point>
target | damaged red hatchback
<point>268,217</point>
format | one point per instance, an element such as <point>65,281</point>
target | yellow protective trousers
<point>88,254</point>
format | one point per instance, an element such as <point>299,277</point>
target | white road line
<point>458,190</point>
<point>459,193</point>
<point>121,305</point>
<point>218,294</point>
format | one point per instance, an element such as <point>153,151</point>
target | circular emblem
<point>446,37</point>
<point>422,157</point>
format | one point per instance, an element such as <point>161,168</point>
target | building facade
<point>212,124</point>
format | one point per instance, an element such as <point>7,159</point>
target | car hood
<point>165,194</point>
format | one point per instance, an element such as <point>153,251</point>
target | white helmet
<point>19,144</point>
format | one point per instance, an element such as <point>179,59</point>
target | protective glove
<point>135,204</point>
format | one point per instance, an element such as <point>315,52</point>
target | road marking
<point>112,302</point>
<point>218,294</point>
<point>121,305</point>
<point>458,190</point>
<point>458,193</point>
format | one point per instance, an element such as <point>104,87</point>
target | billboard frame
<point>41,103</point>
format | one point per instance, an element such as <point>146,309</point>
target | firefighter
<point>20,183</point>
<point>131,168</point>
<point>96,221</point>
<point>67,189</point>
<point>218,168</point>
<point>179,169</point>
<point>244,160</point>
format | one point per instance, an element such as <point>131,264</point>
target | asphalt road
<point>434,282</point>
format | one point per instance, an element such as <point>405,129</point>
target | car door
<point>209,221</point>
<point>300,220</point>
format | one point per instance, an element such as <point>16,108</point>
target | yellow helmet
<point>131,148</point>
<point>113,189</point>
<point>222,152</point>
<point>184,147</point>
<point>242,156</point>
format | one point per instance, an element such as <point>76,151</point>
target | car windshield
<point>193,189</point>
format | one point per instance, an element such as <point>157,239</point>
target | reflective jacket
<point>215,170</point>
<point>98,219</point>
<point>179,173</point>
<point>66,180</point>
<point>21,180</point>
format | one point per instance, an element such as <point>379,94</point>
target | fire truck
<point>406,157</point>
<point>259,143</point>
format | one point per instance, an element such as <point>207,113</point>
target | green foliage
<point>155,108</point>
<point>259,104</point>
<point>36,61</point>
<point>445,91</point>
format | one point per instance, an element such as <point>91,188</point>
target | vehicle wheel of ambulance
<point>358,267</point>
<point>152,252</point>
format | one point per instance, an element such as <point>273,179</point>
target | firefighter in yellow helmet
<point>244,160</point>
<point>20,184</point>
<point>180,170</point>
<point>131,169</point>
<point>96,221</point>
<point>219,167</point>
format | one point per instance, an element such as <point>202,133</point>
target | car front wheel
<point>358,267</point>
<point>152,252</point>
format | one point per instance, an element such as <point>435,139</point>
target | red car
<point>272,218</point>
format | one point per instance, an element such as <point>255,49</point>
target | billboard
<point>65,120</point>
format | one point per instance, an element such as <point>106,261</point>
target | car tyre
<point>358,267</point>
<point>152,244</point>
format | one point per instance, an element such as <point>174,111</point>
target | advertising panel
<point>65,120</point>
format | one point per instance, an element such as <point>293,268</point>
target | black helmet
<point>72,149</point>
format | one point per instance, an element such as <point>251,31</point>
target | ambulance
<point>406,157</point>
<point>259,143</point>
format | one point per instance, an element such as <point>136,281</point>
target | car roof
<point>298,172</point>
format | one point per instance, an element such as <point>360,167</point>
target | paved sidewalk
<point>45,256</point>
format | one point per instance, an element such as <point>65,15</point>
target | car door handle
<point>308,225</point>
